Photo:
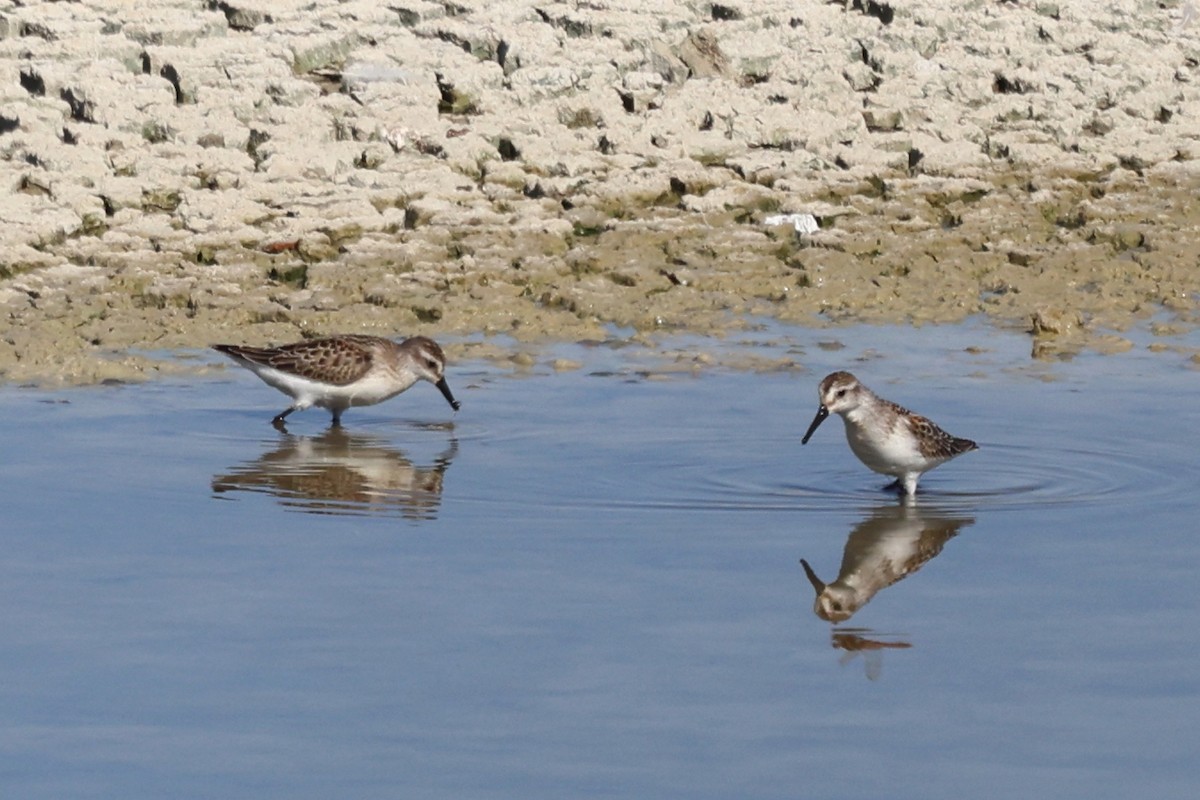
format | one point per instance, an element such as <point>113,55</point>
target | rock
<point>1051,321</point>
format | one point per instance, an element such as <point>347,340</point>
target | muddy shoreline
<point>261,172</point>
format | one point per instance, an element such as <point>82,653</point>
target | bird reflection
<point>893,542</point>
<point>861,641</point>
<point>343,473</point>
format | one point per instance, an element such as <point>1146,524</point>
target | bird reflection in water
<point>893,542</point>
<point>869,644</point>
<point>339,472</point>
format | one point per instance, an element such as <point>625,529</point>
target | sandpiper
<point>887,438</point>
<point>338,372</point>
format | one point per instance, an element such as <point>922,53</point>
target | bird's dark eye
<point>841,393</point>
<point>429,362</point>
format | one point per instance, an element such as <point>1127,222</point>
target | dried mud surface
<point>261,172</point>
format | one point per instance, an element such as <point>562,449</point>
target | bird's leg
<point>894,486</point>
<point>337,418</point>
<point>280,417</point>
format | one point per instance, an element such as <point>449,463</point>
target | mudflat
<point>260,171</point>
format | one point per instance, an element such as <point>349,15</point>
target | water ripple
<point>1009,476</point>
<point>1000,475</point>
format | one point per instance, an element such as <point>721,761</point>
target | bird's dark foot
<point>895,486</point>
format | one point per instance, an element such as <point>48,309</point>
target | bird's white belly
<point>369,390</point>
<point>889,453</point>
<point>302,390</point>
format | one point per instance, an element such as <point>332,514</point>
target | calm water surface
<point>586,584</point>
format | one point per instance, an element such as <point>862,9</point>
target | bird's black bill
<point>822,413</point>
<point>444,388</point>
<point>817,583</point>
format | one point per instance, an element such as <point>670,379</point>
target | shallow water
<point>588,584</point>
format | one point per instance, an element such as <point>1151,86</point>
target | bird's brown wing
<point>336,360</point>
<point>935,442</point>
